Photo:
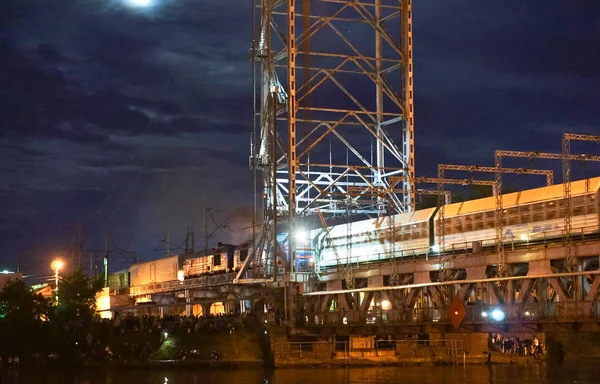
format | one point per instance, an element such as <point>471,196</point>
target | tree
<point>20,305</point>
<point>71,319</point>
<point>77,297</point>
<point>22,313</point>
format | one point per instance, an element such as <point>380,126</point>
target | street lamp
<point>57,265</point>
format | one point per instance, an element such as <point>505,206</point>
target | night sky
<point>132,121</point>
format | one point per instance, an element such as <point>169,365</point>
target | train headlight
<point>301,235</point>
<point>435,248</point>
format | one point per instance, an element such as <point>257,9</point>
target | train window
<point>490,219</point>
<point>551,211</point>
<point>591,204</point>
<point>448,226</point>
<point>217,260</point>
<point>243,254</point>
<point>468,223</point>
<point>458,226</point>
<point>538,212</point>
<point>525,214</point>
<point>578,210</point>
<point>578,201</point>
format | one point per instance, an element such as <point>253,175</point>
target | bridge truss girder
<point>527,298</point>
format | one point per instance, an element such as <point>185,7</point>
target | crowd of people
<point>173,324</point>
<point>128,337</point>
<point>517,345</point>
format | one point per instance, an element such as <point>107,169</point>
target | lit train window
<point>538,212</point>
<point>551,213</point>
<point>458,225</point>
<point>591,204</point>
<point>525,214</point>
<point>468,223</point>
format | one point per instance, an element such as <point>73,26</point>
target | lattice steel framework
<point>335,76</point>
<point>565,157</point>
<point>566,162</point>
<point>442,201</point>
<point>499,213</point>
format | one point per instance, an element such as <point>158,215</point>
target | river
<point>570,373</point>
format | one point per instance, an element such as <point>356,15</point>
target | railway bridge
<point>402,295</point>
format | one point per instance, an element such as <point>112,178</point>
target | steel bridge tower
<point>334,115</point>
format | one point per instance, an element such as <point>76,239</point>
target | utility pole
<point>167,243</point>
<point>205,231</point>
<point>81,246</point>
<point>193,239</point>
<point>106,259</point>
<point>187,239</point>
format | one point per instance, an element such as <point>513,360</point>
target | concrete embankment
<point>572,345</point>
<point>360,350</point>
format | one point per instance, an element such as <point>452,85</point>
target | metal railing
<point>368,348</point>
<point>176,285</point>
<point>480,314</point>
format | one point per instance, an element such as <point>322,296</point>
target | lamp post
<point>56,266</point>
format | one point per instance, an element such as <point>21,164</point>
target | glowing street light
<point>57,265</point>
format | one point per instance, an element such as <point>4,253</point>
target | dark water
<point>572,373</point>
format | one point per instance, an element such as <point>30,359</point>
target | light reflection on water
<point>578,373</point>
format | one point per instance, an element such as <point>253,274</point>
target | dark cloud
<point>135,120</point>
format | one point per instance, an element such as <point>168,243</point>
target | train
<point>529,216</point>
<point>225,258</point>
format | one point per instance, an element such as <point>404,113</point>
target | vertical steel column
<point>378,95</point>
<point>441,201</point>
<point>566,165</point>
<point>499,216</point>
<point>292,107</point>
<point>274,189</point>
<point>409,113</point>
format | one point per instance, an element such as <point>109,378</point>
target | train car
<point>119,281</point>
<point>215,261</point>
<point>155,271</point>
<point>223,259</point>
<point>241,253</point>
<point>376,239</point>
<point>528,215</point>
